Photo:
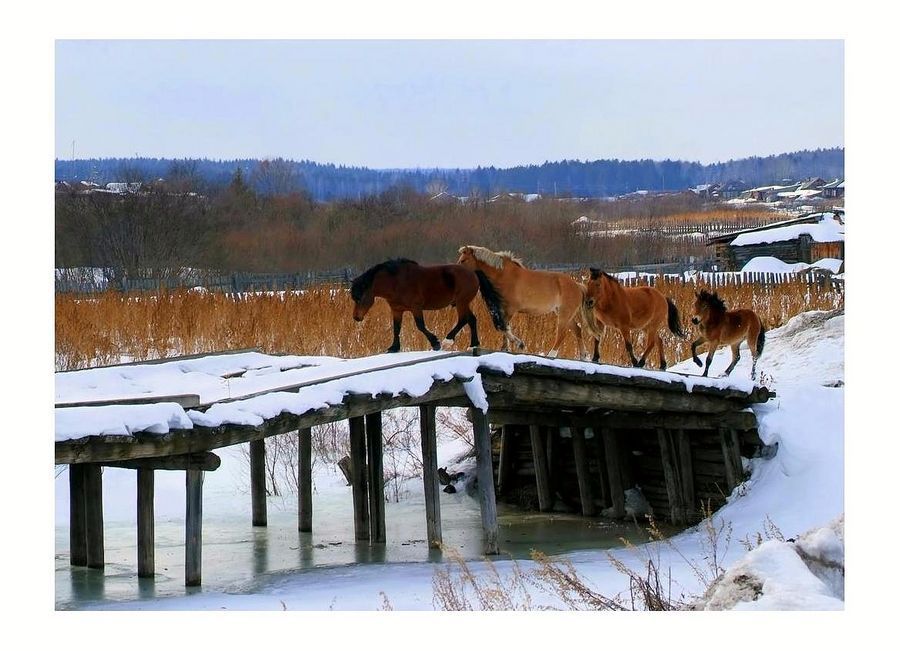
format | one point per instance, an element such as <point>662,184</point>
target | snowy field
<point>797,494</point>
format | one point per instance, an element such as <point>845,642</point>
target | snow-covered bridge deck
<point>173,414</point>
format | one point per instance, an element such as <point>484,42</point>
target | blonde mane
<point>492,258</point>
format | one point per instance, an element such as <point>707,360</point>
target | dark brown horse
<point>408,286</point>
<point>720,326</point>
<point>608,303</point>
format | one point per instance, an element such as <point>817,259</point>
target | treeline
<point>159,232</point>
<point>327,182</point>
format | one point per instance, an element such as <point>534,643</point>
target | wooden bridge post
<point>428,429</point>
<point>304,479</point>
<point>258,481</point>
<point>504,471</point>
<point>93,500</point>
<point>687,476</point>
<point>672,478</point>
<point>616,490</point>
<point>601,466</point>
<point>193,526</point>
<point>733,470</point>
<point>485,473</point>
<point>375,455</point>
<point>358,477</point>
<point>582,470</point>
<point>77,516</point>
<point>541,476</point>
<point>146,536</point>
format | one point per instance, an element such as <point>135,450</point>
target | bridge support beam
<point>375,456</point>
<point>613,470</point>
<point>77,516</point>
<point>93,499</point>
<point>304,479</point>
<point>358,477</point>
<point>146,537</point>
<point>428,430</point>
<point>485,474</point>
<point>258,482</point>
<point>582,470</point>
<point>541,474</point>
<point>193,526</point>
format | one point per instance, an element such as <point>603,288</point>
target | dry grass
<point>110,327</point>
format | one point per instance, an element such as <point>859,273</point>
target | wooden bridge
<point>538,424</point>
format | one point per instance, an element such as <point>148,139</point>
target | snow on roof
<point>215,378</point>
<point>827,229</point>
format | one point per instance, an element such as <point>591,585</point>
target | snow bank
<point>804,575</point>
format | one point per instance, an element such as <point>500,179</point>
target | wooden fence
<point>90,282</point>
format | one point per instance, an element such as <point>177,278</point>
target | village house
<point>808,239</point>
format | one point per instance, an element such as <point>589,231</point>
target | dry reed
<point>110,327</point>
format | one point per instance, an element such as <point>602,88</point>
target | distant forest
<point>327,182</point>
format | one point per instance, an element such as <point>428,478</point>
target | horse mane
<point>362,282</point>
<point>492,258</point>
<point>596,273</point>
<point>712,300</point>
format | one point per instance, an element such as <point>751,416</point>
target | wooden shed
<point>806,239</point>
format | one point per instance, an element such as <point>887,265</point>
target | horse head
<point>467,258</point>
<point>706,303</point>
<point>363,294</point>
<point>595,287</point>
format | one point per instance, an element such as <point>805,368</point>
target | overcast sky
<point>448,103</point>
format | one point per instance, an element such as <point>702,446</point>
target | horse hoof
<point>393,350</point>
<point>447,344</point>
<point>552,354</point>
<point>520,346</point>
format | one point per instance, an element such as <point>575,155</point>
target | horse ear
<point>595,273</point>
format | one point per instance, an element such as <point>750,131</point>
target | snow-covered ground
<point>796,494</point>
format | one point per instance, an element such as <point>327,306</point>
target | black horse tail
<point>493,300</point>
<point>674,319</point>
<point>760,340</point>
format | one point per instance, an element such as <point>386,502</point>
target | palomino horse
<point>508,287</point>
<point>408,286</point>
<point>720,326</point>
<point>627,309</point>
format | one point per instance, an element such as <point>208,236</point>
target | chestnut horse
<point>408,286</point>
<point>720,326</point>
<point>508,287</point>
<point>627,309</point>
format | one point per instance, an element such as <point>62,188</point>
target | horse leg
<point>629,348</point>
<point>697,342</point>
<point>709,356</point>
<point>579,339</point>
<point>596,357</point>
<point>466,317</point>
<point>398,322</point>
<point>473,329</point>
<point>420,324</point>
<point>662,352</point>
<point>735,355</point>
<point>652,342</point>
<point>520,345</point>
<point>561,328</point>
